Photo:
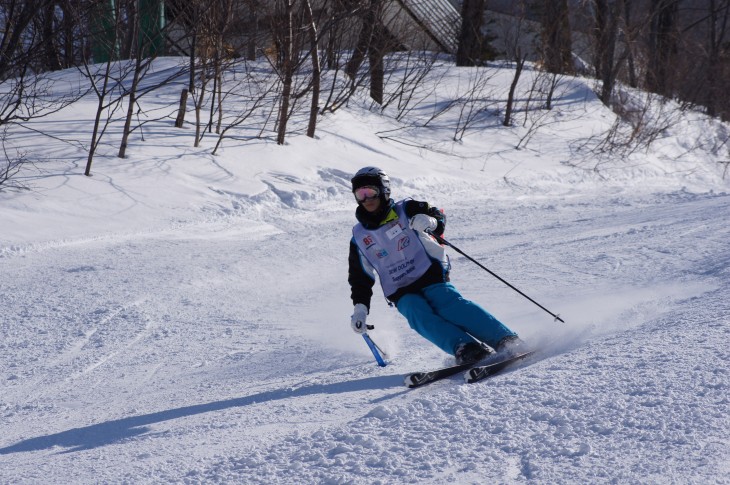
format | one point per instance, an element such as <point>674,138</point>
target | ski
<point>417,379</point>
<point>479,372</point>
<point>490,366</point>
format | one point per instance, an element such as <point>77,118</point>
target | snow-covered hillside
<point>184,318</point>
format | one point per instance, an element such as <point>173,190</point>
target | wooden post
<point>181,110</point>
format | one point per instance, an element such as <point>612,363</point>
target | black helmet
<point>372,176</point>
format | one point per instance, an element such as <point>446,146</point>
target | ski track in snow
<point>223,354</point>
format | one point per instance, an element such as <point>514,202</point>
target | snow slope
<point>184,318</point>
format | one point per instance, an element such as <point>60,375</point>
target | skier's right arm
<point>361,277</point>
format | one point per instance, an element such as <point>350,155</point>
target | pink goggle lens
<point>366,193</point>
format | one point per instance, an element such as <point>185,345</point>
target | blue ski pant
<point>440,314</point>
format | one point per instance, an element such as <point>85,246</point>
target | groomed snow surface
<point>184,318</point>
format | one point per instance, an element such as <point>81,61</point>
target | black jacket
<point>361,283</point>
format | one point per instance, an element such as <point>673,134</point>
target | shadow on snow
<point>110,432</point>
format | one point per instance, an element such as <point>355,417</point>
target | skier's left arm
<point>361,277</point>
<point>435,220</point>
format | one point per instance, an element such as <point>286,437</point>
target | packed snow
<point>182,317</point>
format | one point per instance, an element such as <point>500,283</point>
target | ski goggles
<point>368,192</point>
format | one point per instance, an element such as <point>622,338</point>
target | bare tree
<point>556,37</point>
<point>44,24</point>
<point>106,79</point>
<point>316,69</point>
<point>642,119</point>
<point>411,86</point>
<point>365,43</point>
<point>106,82</point>
<point>475,103</point>
<point>627,36</point>
<point>519,65</point>
<point>143,50</point>
<point>186,15</point>
<point>209,55</point>
<point>284,29</point>
<point>537,107</point>
<point>109,80</point>
<point>222,13</point>
<point>17,16</point>
<point>717,99</point>
<point>203,77</point>
<point>344,63</point>
<point>12,166</point>
<point>663,39</point>
<point>25,93</point>
<point>607,14</point>
<point>471,39</point>
<point>253,101</point>
<point>297,32</point>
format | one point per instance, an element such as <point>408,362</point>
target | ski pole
<point>377,351</point>
<point>444,241</point>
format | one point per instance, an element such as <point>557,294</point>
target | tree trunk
<point>332,34</point>
<point>716,93</point>
<point>68,28</point>
<point>180,120</point>
<point>199,102</point>
<point>600,12</point>
<point>214,92</point>
<point>628,42</point>
<point>220,105</point>
<point>606,29</point>
<point>556,37</point>
<point>511,97</point>
<point>128,46</point>
<point>253,34</point>
<point>95,136</point>
<point>13,37</point>
<point>364,40</point>
<point>377,77</point>
<point>662,46</point>
<point>286,70</point>
<point>470,38</point>
<point>608,75</point>
<point>50,50</point>
<point>316,70</point>
<point>130,108</point>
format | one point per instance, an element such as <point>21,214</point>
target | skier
<point>392,239</point>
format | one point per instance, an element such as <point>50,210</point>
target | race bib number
<point>394,231</point>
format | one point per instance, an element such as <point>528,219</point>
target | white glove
<point>359,316</point>
<point>422,222</point>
